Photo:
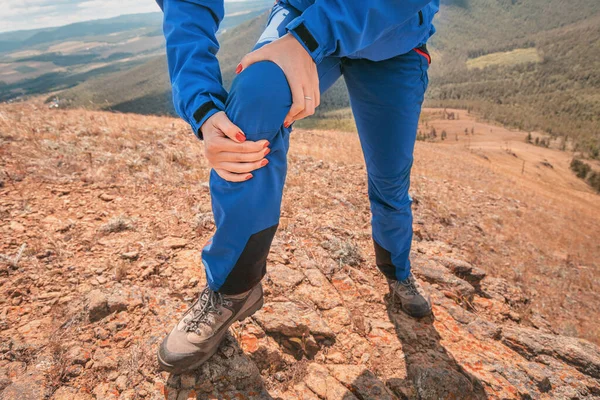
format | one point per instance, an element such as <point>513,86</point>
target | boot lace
<point>410,285</point>
<point>208,303</point>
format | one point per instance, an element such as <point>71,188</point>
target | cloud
<point>34,14</point>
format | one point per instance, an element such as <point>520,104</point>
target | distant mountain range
<point>51,59</point>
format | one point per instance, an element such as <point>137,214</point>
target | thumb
<point>229,129</point>
<point>249,59</point>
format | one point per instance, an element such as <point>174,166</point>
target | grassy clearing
<point>339,120</point>
<point>506,58</point>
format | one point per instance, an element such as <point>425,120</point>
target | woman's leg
<point>386,98</point>
<point>247,213</point>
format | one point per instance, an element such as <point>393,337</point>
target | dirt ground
<point>102,217</point>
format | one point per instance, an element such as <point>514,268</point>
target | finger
<point>298,103</point>
<point>242,157</point>
<point>228,128</point>
<point>316,89</point>
<point>309,108</point>
<point>240,168</point>
<point>249,59</point>
<point>231,177</point>
<point>223,144</point>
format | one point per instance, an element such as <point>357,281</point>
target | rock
<point>97,305</point>
<point>530,343</point>
<point>106,391</point>
<point>100,304</point>
<point>17,227</point>
<point>116,303</point>
<point>441,383</point>
<point>462,269</point>
<point>36,327</point>
<point>173,242</point>
<point>288,319</point>
<point>284,276</point>
<point>436,273</point>
<point>69,393</point>
<point>122,382</point>
<point>326,386</point>
<point>501,289</point>
<point>77,355</point>
<point>106,359</point>
<point>27,387</point>
<point>346,287</point>
<point>363,382</point>
<point>301,392</point>
<point>150,268</point>
<point>320,291</point>
<point>130,255</point>
<point>338,318</point>
<point>106,197</point>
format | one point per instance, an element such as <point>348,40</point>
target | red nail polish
<point>286,124</point>
<point>238,69</point>
<point>248,177</point>
<point>266,144</point>
<point>264,162</point>
<point>267,151</point>
<point>240,136</point>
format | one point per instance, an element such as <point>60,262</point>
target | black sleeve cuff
<point>306,37</point>
<point>202,113</point>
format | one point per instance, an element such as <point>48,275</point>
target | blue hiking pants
<point>386,98</point>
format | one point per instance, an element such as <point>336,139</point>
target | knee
<point>390,192</point>
<point>259,99</point>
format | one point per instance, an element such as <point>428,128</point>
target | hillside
<point>541,72</point>
<point>146,88</point>
<point>557,90</point>
<point>104,214</point>
<point>51,59</point>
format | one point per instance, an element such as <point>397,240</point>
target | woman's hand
<point>227,150</point>
<point>299,69</point>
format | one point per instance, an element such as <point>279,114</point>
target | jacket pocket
<point>422,50</point>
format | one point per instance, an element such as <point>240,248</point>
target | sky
<point>33,14</point>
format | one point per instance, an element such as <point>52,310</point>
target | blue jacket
<point>371,29</point>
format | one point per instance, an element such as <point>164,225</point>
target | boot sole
<point>416,315</point>
<point>174,370</point>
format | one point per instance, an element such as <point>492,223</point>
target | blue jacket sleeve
<point>343,27</point>
<point>190,28</point>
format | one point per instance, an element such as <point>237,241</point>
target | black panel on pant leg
<point>252,264</point>
<point>383,259</point>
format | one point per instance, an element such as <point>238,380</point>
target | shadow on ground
<point>432,373</point>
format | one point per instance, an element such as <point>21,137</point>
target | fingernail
<point>266,144</point>
<point>238,69</point>
<point>264,162</point>
<point>240,136</point>
<point>286,124</point>
<point>248,177</point>
<point>267,151</point>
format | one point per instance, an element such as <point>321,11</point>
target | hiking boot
<point>201,329</point>
<point>415,302</point>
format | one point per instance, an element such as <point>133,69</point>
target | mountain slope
<point>20,40</point>
<point>104,215</point>
<point>558,94</point>
<point>146,89</point>
<point>53,59</point>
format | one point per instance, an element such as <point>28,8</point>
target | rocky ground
<point>102,219</point>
